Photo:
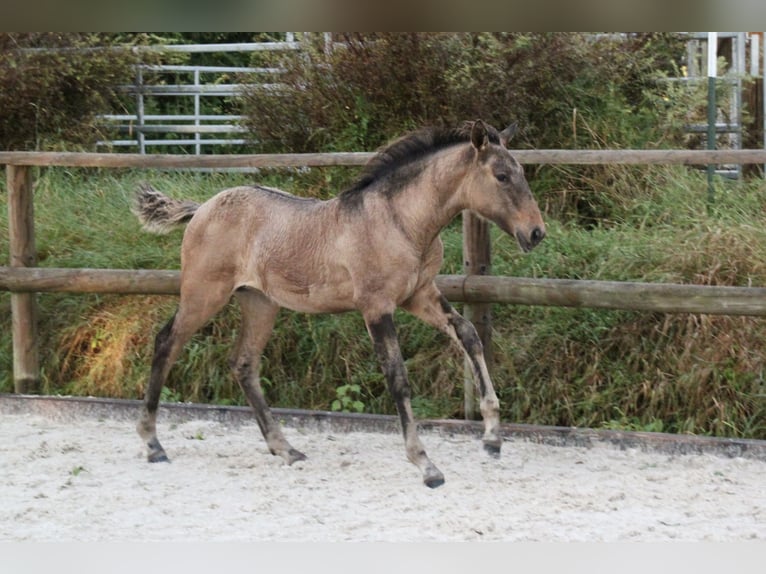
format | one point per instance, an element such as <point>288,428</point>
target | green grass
<point>560,366</point>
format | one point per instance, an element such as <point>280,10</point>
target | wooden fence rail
<point>625,295</point>
<point>537,156</point>
<point>23,278</point>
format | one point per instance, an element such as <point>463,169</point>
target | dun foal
<point>373,248</point>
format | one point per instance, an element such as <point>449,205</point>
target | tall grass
<point>582,367</point>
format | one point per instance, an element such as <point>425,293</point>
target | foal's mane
<point>407,151</point>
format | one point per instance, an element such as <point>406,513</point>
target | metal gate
<point>142,129</point>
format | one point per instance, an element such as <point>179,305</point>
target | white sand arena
<point>87,480</point>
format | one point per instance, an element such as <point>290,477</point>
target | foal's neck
<point>431,201</point>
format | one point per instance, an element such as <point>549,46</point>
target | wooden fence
<point>476,288</point>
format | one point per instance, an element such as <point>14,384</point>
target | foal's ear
<point>507,134</point>
<point>479,135</point>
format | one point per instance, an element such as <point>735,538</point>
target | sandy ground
<point>87,480</point>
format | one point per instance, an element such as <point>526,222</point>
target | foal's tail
<point>159,213</point>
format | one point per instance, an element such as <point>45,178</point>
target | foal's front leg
<point>433,308</point>
<point>469,339</point>
<point>383,334</point>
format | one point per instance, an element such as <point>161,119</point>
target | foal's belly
<point>299,292</point>
<point>318,301</point>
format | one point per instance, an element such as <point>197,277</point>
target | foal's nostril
<point>537,235</point>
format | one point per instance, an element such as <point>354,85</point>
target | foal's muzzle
<point>528,242</point>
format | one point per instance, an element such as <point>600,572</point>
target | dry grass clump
<point>102,354</point>
<point>674,373</point>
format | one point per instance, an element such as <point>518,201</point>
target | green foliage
<point>347,399</point>
<point>76,470</point>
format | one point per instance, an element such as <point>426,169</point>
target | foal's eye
<point>501,177</point>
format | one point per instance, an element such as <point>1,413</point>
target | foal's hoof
<point>155,452</point>
<point>294,456</point>
<point>493,448</point>
<point>158,457</point>
<point>433,479</point>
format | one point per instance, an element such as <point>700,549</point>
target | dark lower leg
<point>147,424</point>
<point>386,346</point>
<point>199,302</point>
<point>247,377</point>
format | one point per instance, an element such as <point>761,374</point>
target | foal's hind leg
<point>433,308</point>
<point>196,307</point>
<point>384,340</point>
<point>258,315</point>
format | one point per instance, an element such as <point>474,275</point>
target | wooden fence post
<point>476,261</point>
<point>26,367</point>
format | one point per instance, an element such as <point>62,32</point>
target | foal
<point>373,248</point>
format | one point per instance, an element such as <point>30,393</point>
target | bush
<point>53,85</point>
<point>373,87</point>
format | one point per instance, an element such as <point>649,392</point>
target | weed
<point>347,400</point>
<point>77,470</point>
<point>168,395</point>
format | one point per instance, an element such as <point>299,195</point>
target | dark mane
<point>401,157</point>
